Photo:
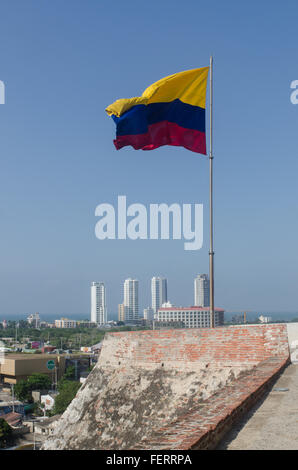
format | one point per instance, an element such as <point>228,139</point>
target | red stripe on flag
<point>165,133</point>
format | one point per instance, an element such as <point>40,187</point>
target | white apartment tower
<point>98,303</point>
<point>131,299</point>
<point>202,291</point>
<point>159,292</point>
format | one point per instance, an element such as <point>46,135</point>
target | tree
<point>69,373</point>
<point>5,432</point>
<point>35,381</point>
<point>39,382</point>
<point>67,391</point>
<point>21,390</point>
<point>23,324</point>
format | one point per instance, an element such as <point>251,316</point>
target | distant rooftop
<point>191,308</point>
<point>25,357</point>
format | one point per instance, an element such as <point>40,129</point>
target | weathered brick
<point>164,357</point>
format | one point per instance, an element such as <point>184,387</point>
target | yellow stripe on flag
<point>189,87</point>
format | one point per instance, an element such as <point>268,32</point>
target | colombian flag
<point>169,112</point>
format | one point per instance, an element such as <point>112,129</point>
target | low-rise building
<point>11,406</point>
<point>86,324</point>
<point>16,367</point>
<point>48,401</point>
<point>192,317</point>
<point>265,319</point>
<point>34,320</point>
<point>13,419</point>
<point>86,349</point>
<point>65,323</point>
<point>46,426</point>
<point>148,313</point>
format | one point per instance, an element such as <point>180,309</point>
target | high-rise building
<point>159,292</point>
<point>98,303</point>
<point>202,291</point>
<point>131,299</point>
<point>121,312</point>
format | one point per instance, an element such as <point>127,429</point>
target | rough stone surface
<point>152,389</point>
<point>114,410</point>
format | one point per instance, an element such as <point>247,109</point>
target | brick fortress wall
<point>222,346</point>
<point>172,389</point>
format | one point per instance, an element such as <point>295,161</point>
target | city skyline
<point>144,290</point>
<point>130,309</point>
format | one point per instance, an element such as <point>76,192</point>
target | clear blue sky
<point>62,63</point>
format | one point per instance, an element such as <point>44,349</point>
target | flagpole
<point>211,252</point>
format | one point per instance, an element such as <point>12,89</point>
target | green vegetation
<point>21,390</point>
<point>67,391</point>
<point>61,338</point>
<point>69,373</point>
<point>36,381</point>
<point>67,388</point>
<point>5,432</point>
